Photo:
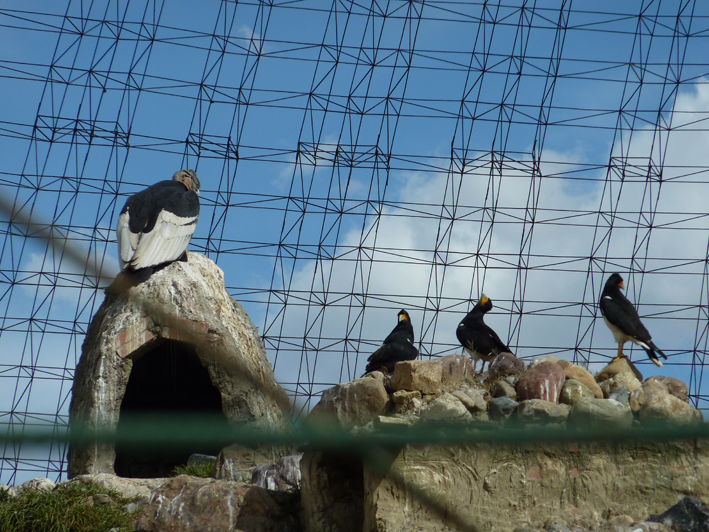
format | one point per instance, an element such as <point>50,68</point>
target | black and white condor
<point>156,224</point>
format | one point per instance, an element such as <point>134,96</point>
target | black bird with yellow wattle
<point>623,320</point>
<point>397,347</point>
<point>479,340</point>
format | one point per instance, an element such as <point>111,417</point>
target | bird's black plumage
<point>398,346</point>
<point>623,320</point>
<point>156,224</point>
<point>479,340</point>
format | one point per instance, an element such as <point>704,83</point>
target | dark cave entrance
<point>168,379</point>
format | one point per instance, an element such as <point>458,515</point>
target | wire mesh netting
<point>357,159</point>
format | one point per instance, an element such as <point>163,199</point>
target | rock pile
<point>549,391</point>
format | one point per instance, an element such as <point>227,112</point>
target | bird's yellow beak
<point>402,317</point>
<point>621,285</point>
<point>484,300</point>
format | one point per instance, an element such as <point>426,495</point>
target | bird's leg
<point>482,368</point>
<point>620,353</point>
<point>475,363</point>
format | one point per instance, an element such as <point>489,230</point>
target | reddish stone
<point>543,381</point>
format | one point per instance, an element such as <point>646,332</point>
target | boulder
<point>622,365</point>
<point>282,474</point>
<point>640,396</point>
<point>574,390</point>
<point>195,504</point>
<point>407,402</point>
<point>183,304</point>
<point>447,407</point>
<point>237,462</point>
<point>501,407</point>
<point>505,364</point>
<point>351,403</point>
<point>540,411</point>
<point>673,386</point>
<point>472,398</point>
<point>600,413</point>
<point>580,374</point>
<point>504,389</point>
<point>422,375</point>
<point>130,488</point>
<point>544,381</point>
<point>622,395</point>
<point>668,408</point>
<point>620,380</point>
<point>689,515</point>
<point>38,484</point>
<point>455,370</point>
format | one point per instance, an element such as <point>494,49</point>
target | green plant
<point>203,470</point>
<point>68,508</point>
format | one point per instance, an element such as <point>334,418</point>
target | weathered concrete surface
<point>190,504</point>
<point>498,488</point>
<point>185,301</point>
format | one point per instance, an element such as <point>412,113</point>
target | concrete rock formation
<point>184,307</point>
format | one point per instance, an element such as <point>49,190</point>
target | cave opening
<point>169,379</point>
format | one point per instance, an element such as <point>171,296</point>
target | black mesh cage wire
<point>356,159</point>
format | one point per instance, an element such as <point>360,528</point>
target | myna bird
<point>157,223</point>
<point>398,346</point>
<point>479,340</point>
<point>623,320</point>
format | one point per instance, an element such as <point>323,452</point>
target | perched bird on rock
<point>479,340</point>
<point>398,346</point>
<point>157,223</point>
<point>623,320</point>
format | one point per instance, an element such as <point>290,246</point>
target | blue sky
<point>297,85</point>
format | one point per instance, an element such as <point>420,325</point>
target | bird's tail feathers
<point>652,350</point>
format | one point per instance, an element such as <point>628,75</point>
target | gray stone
<point>185,302</point>
<point>101,498</point>
<point>540,411</point>
<point>10,490</point>
<point>502,406</point>
<point>197,504</point>
<point>544,381</point>
<point>574,390</point>
<point>282,474</point>
<point>445,407</point>
<point>504,389</point>
<point>668,408</point>
<point>130,508</point>
<point>351,404</point>
<point>197,459</point>
<point>38,484</point>
<point>600,413</point>
<point>557,528</point>
<point>622,395</point>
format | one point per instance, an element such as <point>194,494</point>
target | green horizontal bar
<point>189,431</point>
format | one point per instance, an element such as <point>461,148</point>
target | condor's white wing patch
<point>166,242</point>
